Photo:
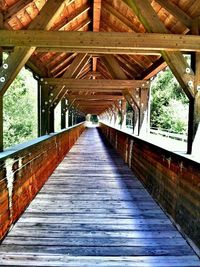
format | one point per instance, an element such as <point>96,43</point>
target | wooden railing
<point>172,135</point>
<point>172,179</point>
<point>25,168</point>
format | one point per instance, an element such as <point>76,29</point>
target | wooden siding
<point>24,173</point>
<point>93,211</point>
<point>173,180</point>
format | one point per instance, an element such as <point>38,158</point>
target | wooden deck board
<point>94,212</point>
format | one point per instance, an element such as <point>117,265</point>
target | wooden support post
<point>1,50</point>
<point>70,119</point>
<point>44,110</point>
<point>1,123</point>
<point>123,114</point>
<point>194,113</point>
<point>115,113</point>
<point>75,118</point>
<point>194,103</point>
<point>39,110</point>
<point>51,120</point>
<point>136,120</point>
<point>1,95</point>
<point>63,113</point>
<point>143,111</point>
<point>190,126</point>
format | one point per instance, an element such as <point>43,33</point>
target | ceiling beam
<point>90,84</point>
<point>136,51</point>
<point>100,42</point>
<point>93,102</point>
<point>96,97</point>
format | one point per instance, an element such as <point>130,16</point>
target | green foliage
<point>94,119</point>
<point>20,111</point>
<point>169,104</point>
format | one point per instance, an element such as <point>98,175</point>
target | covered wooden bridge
<point>115,199</point>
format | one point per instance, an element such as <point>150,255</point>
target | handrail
<point>172,135</point>
<point>27,167</point>
<point>172,178</point>
<point>142,138</point>
<point>11,151</point>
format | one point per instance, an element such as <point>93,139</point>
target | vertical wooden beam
<point>190,126</point>
<point>123,114</point>
<point>63,113</point>
<point>1,123</point>
<point>194,104</point>
<point>1,96</point>
<point>1,50</point>
<point>115,110</point>
<point>44,110</point>
<point>51,120</point>
<point>144,104</point>
<point>39,108</point>
<point>69,118</point>
<point>196,110</point>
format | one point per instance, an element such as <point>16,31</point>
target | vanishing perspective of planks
<point>94,212</point>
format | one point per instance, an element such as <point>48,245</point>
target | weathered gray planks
<point>94,212</point>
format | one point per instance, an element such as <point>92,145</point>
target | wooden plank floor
<point>94,212</point>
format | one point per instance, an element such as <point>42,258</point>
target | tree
<point>19,111</point>
<point>169,104</point>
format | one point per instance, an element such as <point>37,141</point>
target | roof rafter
<point>75,15</point>
<point>16,8</point>
<point>175,60</point>
<point>20,55</point>
<point>72,72</point>
<point>117,73</point>
<point>176,12</point>
<point>122,19</point>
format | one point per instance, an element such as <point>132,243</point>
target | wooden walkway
<point>94,212</point>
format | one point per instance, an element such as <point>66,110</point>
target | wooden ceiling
<point>99,16</point>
